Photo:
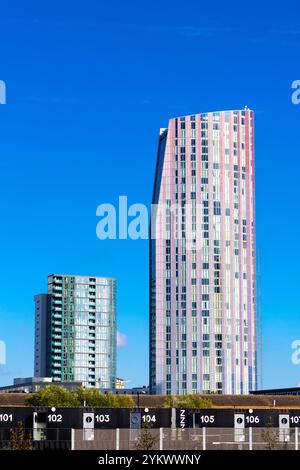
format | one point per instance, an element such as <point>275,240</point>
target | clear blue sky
<point>89,84</point>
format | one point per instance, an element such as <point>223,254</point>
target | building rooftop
<point>82,275</point>
<point>214,112</point>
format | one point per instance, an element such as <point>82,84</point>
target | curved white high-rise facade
<point>202,256</point>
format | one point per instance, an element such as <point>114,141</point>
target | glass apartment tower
<point>75,330</point>
<point>202,257</point>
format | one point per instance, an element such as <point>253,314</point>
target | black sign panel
<point>221,418</point>
<point>260,418</point>
<point>11,416</point>
<point>200,418</point>
<point>60,418</point>
<point>213,418</point>
<point>156,418</point>
<point>104,418</point>
<point>111,418</point>
<point>67,418</point>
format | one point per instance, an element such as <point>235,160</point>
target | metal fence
<point>205,438</point>
<point>186,439</point>
<point>39,439</point>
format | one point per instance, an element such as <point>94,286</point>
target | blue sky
<point>89,84</point>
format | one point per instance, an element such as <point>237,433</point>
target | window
<point>217,208</point>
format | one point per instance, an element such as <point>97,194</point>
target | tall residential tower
<point>75,330</point>
<point>202,256</point>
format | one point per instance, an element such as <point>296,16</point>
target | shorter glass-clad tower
<point>75,330</point>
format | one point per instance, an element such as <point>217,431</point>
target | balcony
<point>57,295</point>
<point>56,287</point>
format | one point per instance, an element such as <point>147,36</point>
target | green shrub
<point>110,400</point>
<point>187,401</point>
<point>54,395</point>
<point>126,401</point>
<point>87,397</point>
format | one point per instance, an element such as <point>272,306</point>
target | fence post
<point>296,438</point>
<point>250,439</point>
<point>117,439</point>
<point>204,438</point>
<point>72,439</point>
<point>173,418</point>
<point>161,437</point>
<point>173,424</point>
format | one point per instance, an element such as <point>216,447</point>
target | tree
<point>146,440</point>
<point>53,395</point>
<point>19,440</point>
<point>269,436</point>
<point>93,398</point>
<point>87,397</point>
<point>126,401</point>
